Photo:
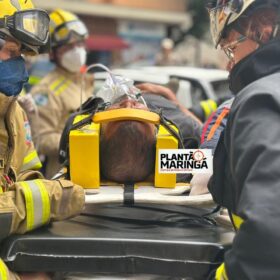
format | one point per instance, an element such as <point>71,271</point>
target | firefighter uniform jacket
<point>57,96</point>
<point>246,177</point>
<point>26,200</point>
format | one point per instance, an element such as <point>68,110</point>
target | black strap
<point>128,194</point>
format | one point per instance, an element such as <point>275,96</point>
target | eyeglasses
<point>229,48</point>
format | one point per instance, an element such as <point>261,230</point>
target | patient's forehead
<point>128,103</point>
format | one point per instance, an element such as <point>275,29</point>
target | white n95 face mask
<point>74,59</point>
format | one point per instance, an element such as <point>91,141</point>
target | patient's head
<point>127,148</point>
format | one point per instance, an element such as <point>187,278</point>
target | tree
<point>200,18</point>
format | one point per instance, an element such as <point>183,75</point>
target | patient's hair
<point>128,155</point>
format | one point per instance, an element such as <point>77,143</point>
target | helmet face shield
<point>223,13</point>
<point>64,32</point>
<point>219,17</point>
<point>28,26</point>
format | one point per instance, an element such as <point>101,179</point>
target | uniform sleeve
<point>212,129</point>
<point>45,122</point>
<point>31,159</point>
<point>31,204</point>
<point>5,274</point>
<point>255,149</point>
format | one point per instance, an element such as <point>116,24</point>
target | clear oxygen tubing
<point>84,71</point>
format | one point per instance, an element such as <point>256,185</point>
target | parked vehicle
<point>194,84</point>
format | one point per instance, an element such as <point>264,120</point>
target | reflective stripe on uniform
<point>37,203</point>
<point>62,87</point>
<point>34,80</point>
<point>217,123</point>
<point>3,271</point>
<point>57,83</point>
<point>237,221</point>
<point>221,273</point>
<point>208,106</point>
<point>31,161</point>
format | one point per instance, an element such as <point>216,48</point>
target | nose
<point>9,49</point>
<point>128,103</point>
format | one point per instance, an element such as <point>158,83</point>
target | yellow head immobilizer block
<point>84,147</point>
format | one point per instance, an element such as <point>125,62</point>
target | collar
<point>262,62</point>
<point>5,103</point>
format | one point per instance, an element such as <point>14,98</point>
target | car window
<point>184,94</point>
<point>195,92</point>
<point>221,88</point>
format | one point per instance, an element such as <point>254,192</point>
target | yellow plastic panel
<point>126,114</point>
<point>165,141</point>
<point>84,156</point>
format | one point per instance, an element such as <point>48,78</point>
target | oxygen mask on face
<point>117,88</point>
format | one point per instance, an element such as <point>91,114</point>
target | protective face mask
<point>74,59</point>
<point>13,75</point>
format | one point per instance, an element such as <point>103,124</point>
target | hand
<point>34,276</point>
<point>27,103</point>
<point>199,183</point>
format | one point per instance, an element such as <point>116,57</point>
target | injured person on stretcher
<point>117,136</point>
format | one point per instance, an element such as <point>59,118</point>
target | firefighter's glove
<point>27,103</point>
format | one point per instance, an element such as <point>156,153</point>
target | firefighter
<point>59,93</point>
<point>246,160</point>
<point>27,201</point>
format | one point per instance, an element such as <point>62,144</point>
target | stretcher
<point>176,241</point>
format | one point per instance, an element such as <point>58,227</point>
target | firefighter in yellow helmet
<point>246,160</point>
<point>27,201</point>
<point>59,93</point>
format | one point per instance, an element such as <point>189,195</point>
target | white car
<point>194,84</point>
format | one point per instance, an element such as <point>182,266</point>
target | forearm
<point>187,112</point>
<point>30,204</point>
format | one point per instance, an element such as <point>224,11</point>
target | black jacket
<point>246,176</point>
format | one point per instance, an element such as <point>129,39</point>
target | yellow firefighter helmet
<point>22,22</point>
<point>66,28</point>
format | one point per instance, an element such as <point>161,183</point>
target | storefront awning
<point>106,43</point>
<point>113,11</point>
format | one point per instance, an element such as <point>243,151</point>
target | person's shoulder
<point>264,90</point>
<point>45,83</point>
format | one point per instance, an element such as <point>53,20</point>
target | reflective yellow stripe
<point>3,271</point>
<point>37,203</point>
<point>31,161</point>
<point>29,206</point>
<point>57,83</point>
<point>1,190</point>
<point>208,106</point>
<point>213,105</point>
<point>221,273</point>
<point>237,221</point>
<point>34,80</point>
<point>45,202</point>
<point>62,88</point>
